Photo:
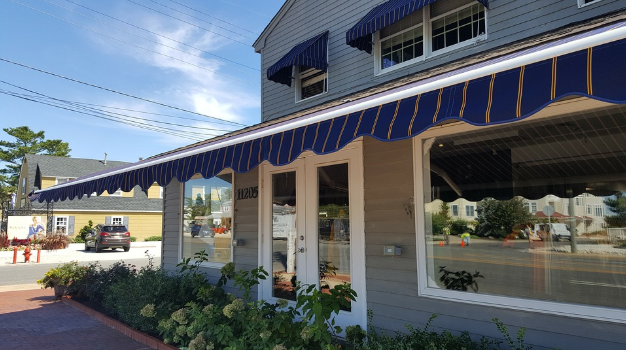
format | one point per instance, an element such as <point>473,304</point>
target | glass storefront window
<point>548,196</point>
<point>208,218</point>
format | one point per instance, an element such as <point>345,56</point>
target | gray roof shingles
<point>52,166</point>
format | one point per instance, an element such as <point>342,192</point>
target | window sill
<point>312,97</point>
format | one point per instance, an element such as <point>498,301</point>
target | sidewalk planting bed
<point>185,310</point>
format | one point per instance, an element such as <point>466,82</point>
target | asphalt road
<point>30,273</point>
<point>594,279</point>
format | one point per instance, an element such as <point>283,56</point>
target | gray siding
<point>171,225</point>
<point>392,290</point>
<point>351,70</point>
<point>245,228</point>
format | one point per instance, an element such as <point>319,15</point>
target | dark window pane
<point>438,43</point>
<point>451,38</point>
<point>465,33</point>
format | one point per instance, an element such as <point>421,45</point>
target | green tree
<point>12,152</point>
<point>497,218</point>
<point>617,205</point>
<point>441,219</point>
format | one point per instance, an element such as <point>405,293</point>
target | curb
<point>134,334</point>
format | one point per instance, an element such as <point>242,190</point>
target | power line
<point>200,19</point>
<point>131,44</point>
<point>135,124</point>
<point>151,32</point>
<point>192,24</point>
<point>245,8</point>
<point>79,105</point>
<point>216,18</point>
<point>117,92</point>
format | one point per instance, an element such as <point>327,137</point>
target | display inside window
<point>60,226</point>
<point>208,218</point>
<point>549,204</point>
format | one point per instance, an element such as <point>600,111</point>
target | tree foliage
<point>497,218</point>
<point>26,142</point>
<point>441,219</point>
<point>617,205</point>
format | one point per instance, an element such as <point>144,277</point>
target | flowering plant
<point>64,274</point>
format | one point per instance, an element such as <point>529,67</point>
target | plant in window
<point>459,280</point>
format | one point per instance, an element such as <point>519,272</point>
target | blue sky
<point>220,75</point>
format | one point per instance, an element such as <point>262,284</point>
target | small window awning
<point>502,90</point>
<point>311,53</point>
<point>381,16</point>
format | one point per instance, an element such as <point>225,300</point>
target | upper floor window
<point>23,185</point>
<point>430,30</point>
<point>469,210</point>
<point>310,82</point>
<point>583,3</point>
<point>60,180</point>
<point>457,27</point>
<point>455,210</point>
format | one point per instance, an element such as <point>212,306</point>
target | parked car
<point>108,236</point>
<point>556,231</point>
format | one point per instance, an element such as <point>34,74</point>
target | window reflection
<point>284,269</point>
<point>542,204</point>
<point>208,218</point>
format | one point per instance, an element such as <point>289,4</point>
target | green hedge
<point>154,239</point>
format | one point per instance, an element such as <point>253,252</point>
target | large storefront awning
<point>501,90</point>
<point>381,16</point>
<point>311,53</point>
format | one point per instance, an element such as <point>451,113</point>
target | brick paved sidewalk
<point>33,319</point>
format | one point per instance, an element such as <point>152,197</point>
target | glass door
<point>312,216</point>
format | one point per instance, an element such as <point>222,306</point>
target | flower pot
<point>60,290</point>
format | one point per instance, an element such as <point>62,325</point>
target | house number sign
<point>247,193</point>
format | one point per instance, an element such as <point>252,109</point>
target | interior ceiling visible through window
<point>584,152</point>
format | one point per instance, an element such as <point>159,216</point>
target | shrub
<point>154,239</point>
<point>64,274</point>
<point>55,241</point>
<point>4,241</point>
<point>77,239</point>
<point>459,226</point>
<point>98,278</point>
<point>87,229</point>
<point>133,239</point>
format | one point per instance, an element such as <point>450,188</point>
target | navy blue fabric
<point>381,16</point>
<point>311,53</point>
<point>503,97</point>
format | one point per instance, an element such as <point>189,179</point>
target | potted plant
<point>62,276</point>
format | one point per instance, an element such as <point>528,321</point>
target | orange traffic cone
<point>462,243</point>
<point>441,243</point>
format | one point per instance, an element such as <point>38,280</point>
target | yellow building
<point>141,211</point>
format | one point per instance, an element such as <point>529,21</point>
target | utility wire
<point>78,105</point>
<point>200,19</point>
<point>135,124</point>
<point>131,44</point>
<point>117,92</point>
<point>192,24</point>
<point>245,8</point>
<point>215,18</point>
<point>151,32</point>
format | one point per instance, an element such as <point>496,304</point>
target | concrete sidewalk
<point>34,319</point>
<point>76,252</point>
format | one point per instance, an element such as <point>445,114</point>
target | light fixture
<point>441,145</point>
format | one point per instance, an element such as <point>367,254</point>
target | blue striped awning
<point>311,53</point>
<point>591,70</point>
<point>381,16</point>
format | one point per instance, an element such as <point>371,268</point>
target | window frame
<point>56,179</point>
<point>467,211</point>
<point>454,208</point>
<point>581,3</point>
<point>207,264</point>
<point>546,307</point>
<point>298,84</point>
<point>67,223</point>
<point>427,41</point>
<point>121,220</point>
<point>118,193</point>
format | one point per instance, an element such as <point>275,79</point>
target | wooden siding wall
<point>171,226</point>
<point>352,70</point>
<point>392,290</point>
<point>245,227</point>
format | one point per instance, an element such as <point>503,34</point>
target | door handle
<point>301,250</point>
